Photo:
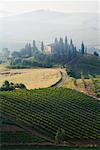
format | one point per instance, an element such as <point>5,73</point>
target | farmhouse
<point>49,48</point>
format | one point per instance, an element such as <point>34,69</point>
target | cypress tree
<point>82,48</point>
<point>42,46</point>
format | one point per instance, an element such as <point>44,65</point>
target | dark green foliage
<point>18,147</point>
<point>46,110</point>
<point>42,46</point>
<point>19,137</point>
<point>20,86</point>
<point>88,64</point>
<point>96,54</point>
<point>60,135</point>
<point>82,48</point>
<point>61,53</point>
<point>26,52</point>
<point>15,54</point>
<point>7,86</point>
<point>71,73</point>
<point>40,60</point>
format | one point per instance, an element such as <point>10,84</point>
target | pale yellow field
<point>32,78</point>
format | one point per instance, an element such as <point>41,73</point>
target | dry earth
<point>32,78</point>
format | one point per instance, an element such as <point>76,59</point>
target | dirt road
<point>64,77</point>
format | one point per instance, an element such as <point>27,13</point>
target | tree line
<point>10,86</point>
<point>62,52</point>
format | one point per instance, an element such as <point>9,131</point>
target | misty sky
<point>13,7</point>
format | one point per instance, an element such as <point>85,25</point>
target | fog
<point>15,31</point>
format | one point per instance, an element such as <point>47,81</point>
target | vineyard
<point>46,110</point>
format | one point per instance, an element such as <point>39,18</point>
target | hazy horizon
<point>24,21</point>
<point>13,7</point>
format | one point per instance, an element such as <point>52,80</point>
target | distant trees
<point>9,86</point>
<point>42,46</point>
<point>5,54</point>
<point>64,51</point>
<point>82,48</point>
<point>26,52</point>
<point>15,54</point>
<point>16,61</point>
<point>61,47</point>
<point>34,48</point>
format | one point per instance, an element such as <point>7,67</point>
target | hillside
<point>45,110</point>
<point>88,64</point>
<point>88,86</point>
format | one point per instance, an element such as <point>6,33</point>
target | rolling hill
<point>88,64</point>
<point>46,110</point>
